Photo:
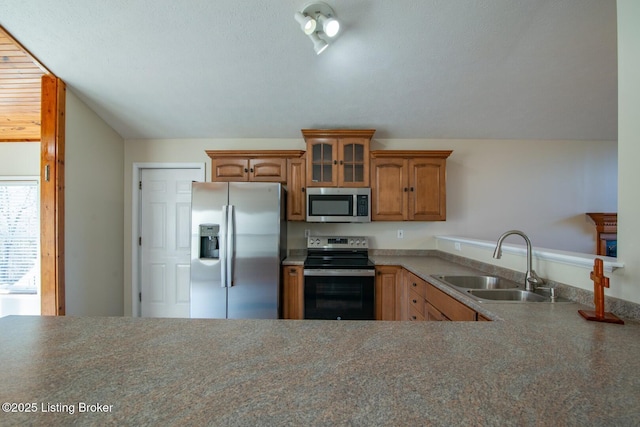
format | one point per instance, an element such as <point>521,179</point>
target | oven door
<point>339,294</point>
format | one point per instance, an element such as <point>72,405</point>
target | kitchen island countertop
<point>539,364</point>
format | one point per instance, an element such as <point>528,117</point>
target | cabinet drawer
<point>449,306</point>
<point>415,314</point>
<point>416,302</point>
<point>416,284</point>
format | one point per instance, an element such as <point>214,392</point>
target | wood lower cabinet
<point>426,302</point>
<point>449,307</point>
<point>386,284</point>
<point>408,185</point>
<point>293,292</point>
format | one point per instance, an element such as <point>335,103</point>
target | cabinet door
<point>449,306</point>
<point>322,162</point>
<point>296,191</point>
<point>268,170</point>
<point>230,169</point>
<point>427,189</point>
<point>433,314</point>
<point>293,292</point>
<point>353,162</point>
<point>389,189</point>
<point>386,281</point>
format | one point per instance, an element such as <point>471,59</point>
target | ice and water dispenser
<point>209,245</point>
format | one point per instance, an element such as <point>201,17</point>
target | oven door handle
<point>359,272</point>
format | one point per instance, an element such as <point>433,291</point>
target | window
<point>19,236</point>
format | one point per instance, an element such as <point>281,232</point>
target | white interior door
<point>165,216</point>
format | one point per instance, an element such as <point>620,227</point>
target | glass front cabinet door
<point>337,158</point>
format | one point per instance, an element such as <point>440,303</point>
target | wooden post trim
<point>52,196</point>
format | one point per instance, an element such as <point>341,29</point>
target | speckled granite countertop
<point>542,365</point>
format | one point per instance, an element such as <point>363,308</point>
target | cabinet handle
<point>341,162</point>
<point>292,271</point>
<point>335,162</point>
<point>252,172</point>
<point>405,189</point>
<point>303,189</point>
<point>411,189</point>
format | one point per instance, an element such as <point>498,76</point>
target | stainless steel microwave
<point>328,204</point>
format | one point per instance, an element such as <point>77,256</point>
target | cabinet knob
<point>252,172</point>
<point>246,170</point>
<point>303,189</point>
<point>413,317</point>
<point>405,189</point>
<point>411,189</point>
<point>341,162</point>
<point>415,301</point>
<point>414,284</point>
<point>335,162</point>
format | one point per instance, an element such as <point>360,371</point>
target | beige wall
<point>93,213</point>
<point>625,282</point>
<point>20,158</point>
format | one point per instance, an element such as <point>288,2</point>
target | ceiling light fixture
<point>319,22</point>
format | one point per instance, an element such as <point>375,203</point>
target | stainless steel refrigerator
<point>238,241</point>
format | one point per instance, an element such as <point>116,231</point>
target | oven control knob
<point>317,241</point>
<point>351,242</point>
<point>357,242</point>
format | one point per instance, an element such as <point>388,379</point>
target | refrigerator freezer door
<point>256,266</point>
<point>208,296</point>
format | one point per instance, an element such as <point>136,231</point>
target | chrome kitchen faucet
<point>531,280</point>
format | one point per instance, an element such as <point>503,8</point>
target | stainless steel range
<point>339,279</point>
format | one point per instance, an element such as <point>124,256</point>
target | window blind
<point>19,237</point>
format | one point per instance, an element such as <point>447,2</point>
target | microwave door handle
<point>224,238</point>
<point>231,234</point>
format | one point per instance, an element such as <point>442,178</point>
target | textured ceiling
<point>504,69</point>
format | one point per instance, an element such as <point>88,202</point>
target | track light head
<point>319,45</point>
<point>307,23</point>
<point>330,26</point>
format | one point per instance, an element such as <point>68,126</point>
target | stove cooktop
<point>338,252</point>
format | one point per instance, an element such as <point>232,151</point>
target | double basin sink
<point>494,289</point>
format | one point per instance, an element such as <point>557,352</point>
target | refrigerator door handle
<point>224,242</point>
<point>231,232</point>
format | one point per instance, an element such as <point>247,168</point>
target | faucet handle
<point>552,291</point>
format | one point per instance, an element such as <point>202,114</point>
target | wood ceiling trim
<point>20,91</point>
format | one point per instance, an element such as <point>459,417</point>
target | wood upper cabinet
<point>296,189</point>
<point>254,166</point>
<point>408,185</point>
<point>338,157</point>
<point>284,166</point>
<point>293,292</point>
<point>386,284</point>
